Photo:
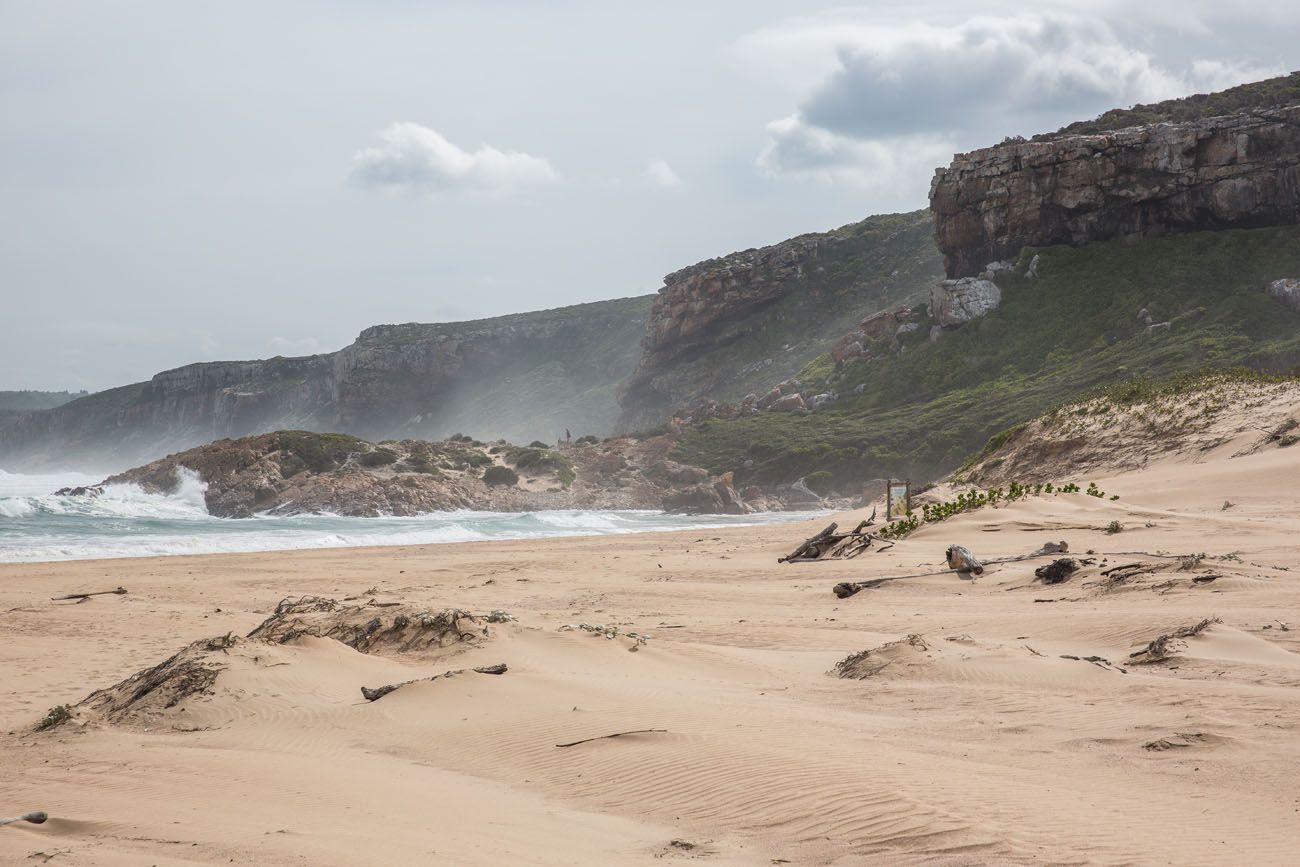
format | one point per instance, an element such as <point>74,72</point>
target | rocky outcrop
<point>526,376</point>
<point>1241,170</point>
<point>726,326</point>
<point>298,472</point>
<point>956,302</point>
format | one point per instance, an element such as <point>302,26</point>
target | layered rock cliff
<point>1241,170</point>
<point>525,376</point>
<point>726,326</point>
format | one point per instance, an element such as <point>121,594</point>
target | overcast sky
<point>195,181</point>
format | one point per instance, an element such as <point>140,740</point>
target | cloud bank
<point>418,158</point>
<point>900,99</point>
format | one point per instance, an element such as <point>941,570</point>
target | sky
<point>185,181</point>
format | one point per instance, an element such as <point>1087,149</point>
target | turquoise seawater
<point>37,526</point>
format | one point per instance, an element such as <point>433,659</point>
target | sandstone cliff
<point>726,326</point>
<point>1236,171</point>
<point>523,376</point>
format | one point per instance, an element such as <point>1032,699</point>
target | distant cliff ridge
<point>726,326</point>
<point>1236,171</point>
<point>525,376</point>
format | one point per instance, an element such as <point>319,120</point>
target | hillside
<point>922,410</point>
<point>727,326</point>
<point>1139,424</point>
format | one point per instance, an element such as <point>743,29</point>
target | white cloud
<point>902,96</point>
<point>299,346</point>
<point>659,174</point>
<point>416,157</point>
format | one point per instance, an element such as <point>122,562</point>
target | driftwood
<point>36,818</point>
<point>614,735</point>
<point>1162,647</point>
<point>381,691</point>
<point>121,591</point>
<point>1057,571</point>
<point>848,588</point>
<point>830,545</point>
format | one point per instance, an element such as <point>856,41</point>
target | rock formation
<point>956,302</point>
<point>298,472</point>
<point>1241,170</point>
<point>726,326</point>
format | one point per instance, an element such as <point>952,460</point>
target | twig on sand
<point>121,591</point>
<point>36,818</point>
<point>381,691</point>
<point>1164,646</point>
<point>614,735</point>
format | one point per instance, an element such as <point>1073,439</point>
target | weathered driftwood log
<point>118,592</point>
<point>381,691</point>
<point>1057,571</point>
<point>36,818</point>
<point>814,541</point>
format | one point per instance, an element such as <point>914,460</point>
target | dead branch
<point>1164,646</point>
<point>808,543</point>
<point>121,591</point>
<point>614,735</point>
<point>381,691</point>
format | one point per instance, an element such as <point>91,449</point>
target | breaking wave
<point>36,525</point>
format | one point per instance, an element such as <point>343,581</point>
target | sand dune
<point>1017,727</point>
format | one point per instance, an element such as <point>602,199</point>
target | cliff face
<point>524,376</point>
<point>1236,171</point>
<point>730,325</point>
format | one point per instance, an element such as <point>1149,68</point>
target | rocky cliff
<point>726,326</point>
<point>524,376</point>
<point>1240,170</point>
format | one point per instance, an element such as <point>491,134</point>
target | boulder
<point>789,403</point>
<point>1286,290</point>
<point>956,302</point>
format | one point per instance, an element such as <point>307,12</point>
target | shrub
<point>319,451</point>
<point>55,716</point>
<point>420,465</point>
<point>538,444</point>
<point>380,457</point>
<point>499,475</point>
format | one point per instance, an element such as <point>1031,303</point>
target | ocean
<point>37,526</point>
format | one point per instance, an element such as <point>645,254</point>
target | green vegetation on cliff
<point>1283,90</point>
<point>1073,328</point>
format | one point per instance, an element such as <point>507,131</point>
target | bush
<point>56,716</point>
<point>538,444</point>
<point>498,475</point>
<point>588,440</point>
<point>420,465</point>
<point>319,451</point>
<point>380,457</point>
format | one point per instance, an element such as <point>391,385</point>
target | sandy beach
<point>979,743</point>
